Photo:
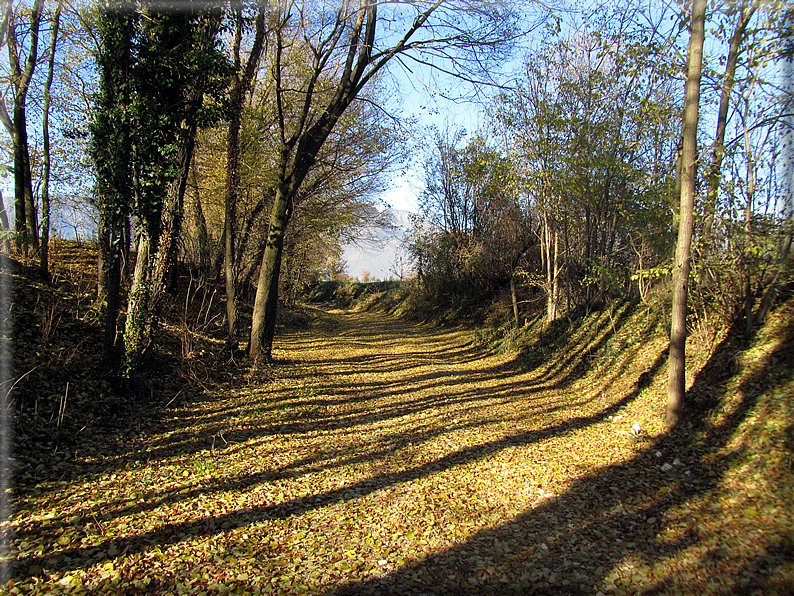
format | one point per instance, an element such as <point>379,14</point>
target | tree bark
<point>263,320</point>
<point>241,85</point>
<point>24,207</point>
<point>709,209</point>
<point>676,387</point>
<point>514,299</point>
<point>137,329</point>
<point>45,126</point>
<point>552,269</point>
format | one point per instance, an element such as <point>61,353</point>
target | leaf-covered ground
<point>381,457</point>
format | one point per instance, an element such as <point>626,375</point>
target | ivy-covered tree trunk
<point>178,66</point>
<point>172,215</point>
<point>111,152</point>
<point>138,325</point>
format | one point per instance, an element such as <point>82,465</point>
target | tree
<point>676,388</point>
<point>590,128</point>
<point>241,84</point>
<point>111,150</point>
<point>474,230</point>
<point>342,53</point>
<point>745,14</point>
<point>24,206</point>
<point>45,126</point>
<point>178,72</point>
<point>162,77</point>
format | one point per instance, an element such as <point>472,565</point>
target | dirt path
<point>377,457</point>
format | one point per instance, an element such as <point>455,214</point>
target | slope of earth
<point>380,457</point>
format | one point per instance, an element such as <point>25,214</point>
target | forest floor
<point>378,456</point>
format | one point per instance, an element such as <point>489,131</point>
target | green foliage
<point>653,273</point>
<point>180,76</point>
<point>161,77</point>
<point>111,127</point>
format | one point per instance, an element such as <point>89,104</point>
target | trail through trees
<point>378,456</point>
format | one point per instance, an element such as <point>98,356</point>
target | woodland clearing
<point>378,456</point>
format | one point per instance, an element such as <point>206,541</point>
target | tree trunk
<point>748,229</point>
<point>172,216</point>
<point>157,249</point>
<point>241,84</point>
<point>136,329</point>
<point>103,231</point>
<point>555,280</point>
<point>162,213</point>
<point>112,275</point>
<point>514,300</point>
<point>677,361</point>
<point>709,209</point>
<point>676,202</point>
<point>45,126</point>
<point>25,209</point>
<point>230,222</point>
<point>126,248</point>
<point>25,221</point>
<point>263,321</point>
<point>203,238</point>
<point>552,270</point>
<point>111,153</point>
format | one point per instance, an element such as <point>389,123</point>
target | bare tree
<point>677,361</point>
<point>242,80</point>
<point>26,223</point>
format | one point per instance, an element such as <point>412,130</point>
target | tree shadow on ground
<point>613,517</point>
<point>170,533</point>
<point>613,530</point>
<point>304,412</point>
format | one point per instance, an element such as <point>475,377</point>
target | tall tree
<point>178,71</point>
<point>676,387</point>
<point>242,79</point>
<point>745,13</point>
<point>342,54</point>
<point>45,128</point>
<point>24,206</point>
<point>111,150</point>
